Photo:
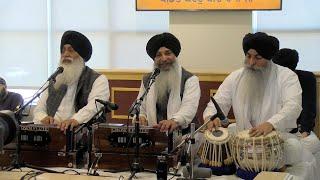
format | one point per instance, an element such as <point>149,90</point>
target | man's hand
<point>143,121</point>
<point>213,124</point>
<point>166,125</point>
<point>63,126</point>
<point>263,129</point>
<point>47,120</point>
<point>305,134</point>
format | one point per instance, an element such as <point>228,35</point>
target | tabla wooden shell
<point>255,154</point>
<point>215,151</point>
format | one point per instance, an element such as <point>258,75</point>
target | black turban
<point>265,45</point>
<point>167,40</point>
<point>287,57</point>
<point>79,43</point>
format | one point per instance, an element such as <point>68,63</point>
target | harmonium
<point>114,146</point>
<point>46,146</point>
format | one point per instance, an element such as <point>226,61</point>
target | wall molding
<point>113,99</point>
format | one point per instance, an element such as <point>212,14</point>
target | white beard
<point>71,73</point>
<point>251,90</point>
<point>166,82</point>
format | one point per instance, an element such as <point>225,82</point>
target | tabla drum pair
<point>221,151</point>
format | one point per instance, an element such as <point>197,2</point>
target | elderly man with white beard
<point>264,96</point>
<point>70,101</point>
<point>173,99</point>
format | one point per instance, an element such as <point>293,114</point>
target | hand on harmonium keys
<point>63,126</point>
<point>166,125</point>
<point>143,121</point>
<point>47,120</point>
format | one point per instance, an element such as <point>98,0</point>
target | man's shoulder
<point>14,95</point>
<point>284,71</point>
<point>306,78</point>
<point>88,69</point>
<point>235,73</point>
<point>305,74</point>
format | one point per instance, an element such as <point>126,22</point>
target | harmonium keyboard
<point>45,145</point>
<point>114,146</point>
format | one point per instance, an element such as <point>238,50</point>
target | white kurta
<point>66,110</point>
<point>281,104</point>
<point>182,111</point>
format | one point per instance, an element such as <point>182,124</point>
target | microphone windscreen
<point>197,172</point>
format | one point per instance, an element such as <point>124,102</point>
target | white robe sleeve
<point>223,97</point>
<point>189,103</point>
<point>40,111</point>
<point>143,111</point>
<point>291,103</point>
<point>100,90</point>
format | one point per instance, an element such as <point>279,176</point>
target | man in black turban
<point>167,40</point>
<point>264,96</point>
<point>173,99</point>
<point>71,99</point>
<point>79,43</point>
<point>265,45</point>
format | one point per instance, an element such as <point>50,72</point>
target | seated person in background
<point>264,96</point>
<point>289,58</point>
<point>173,99</point>
<point>9,100</point>
<point>71,99</point>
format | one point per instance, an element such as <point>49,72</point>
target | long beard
<point>71,73</point>
<point>166,82</point>
<point>251,89</point>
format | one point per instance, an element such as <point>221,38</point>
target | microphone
<point>55,74</point>
<point>224,120</point>
<point>197,172</point>
<point>110,105</point>
<point>146,144</point>
<point>155,73</point>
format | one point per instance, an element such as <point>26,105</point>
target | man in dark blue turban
<point>173,99</point>
<point>71,99</point>
<point>264,96</point>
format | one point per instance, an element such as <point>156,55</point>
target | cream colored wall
<point>211,41</point>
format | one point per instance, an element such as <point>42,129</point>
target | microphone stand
<point>195,132</point>
<point>88,125</point>
<point>191,141</point>
<point>17,163</point>
<point>219,115</point>
<point>135,111</point>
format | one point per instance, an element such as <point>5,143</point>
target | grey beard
<point>251,89</point>
<point>71,73</point>
<point>166,83</point>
